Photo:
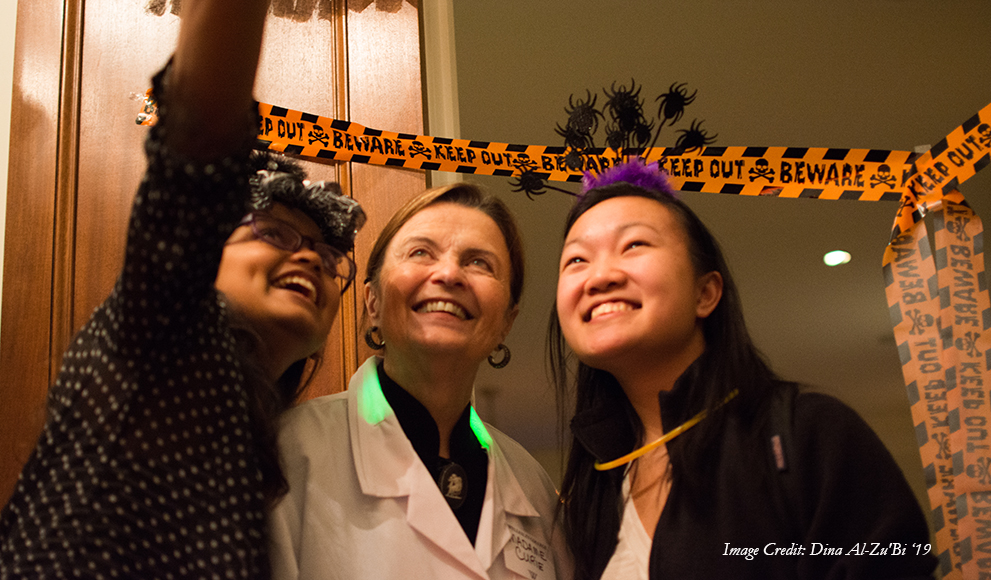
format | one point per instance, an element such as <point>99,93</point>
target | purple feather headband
<point>634,172</point>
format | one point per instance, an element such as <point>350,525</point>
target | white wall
<point>8,19</point>
<point>440,80</point>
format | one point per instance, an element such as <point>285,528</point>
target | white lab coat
<point>361,504</point>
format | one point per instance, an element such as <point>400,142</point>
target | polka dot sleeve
<point>146,467</point>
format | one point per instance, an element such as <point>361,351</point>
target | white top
<point>361,504</point>
<point>631,559</point>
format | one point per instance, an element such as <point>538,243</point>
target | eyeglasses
<point>284,236</point>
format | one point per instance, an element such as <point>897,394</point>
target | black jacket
<point>829,498</point>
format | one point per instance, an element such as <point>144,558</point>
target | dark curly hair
<point>279,179</point>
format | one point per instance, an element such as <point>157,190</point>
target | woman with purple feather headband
<point>690,457</point>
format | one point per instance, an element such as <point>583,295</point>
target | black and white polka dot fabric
<point>146,467</point>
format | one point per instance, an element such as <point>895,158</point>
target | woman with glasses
<point>285,266</point>
<point>398,477</point>
<point>158,459</point>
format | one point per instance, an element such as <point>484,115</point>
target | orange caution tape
<point>941,313</point>
<point>862,174</point>
<point>824,173</point>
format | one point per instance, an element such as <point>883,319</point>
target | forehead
<point>618,214</point>
<point>451,224</point>
<point>303,223</point>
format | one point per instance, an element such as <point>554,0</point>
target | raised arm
<point>213,73</point>
<point>195,188</point>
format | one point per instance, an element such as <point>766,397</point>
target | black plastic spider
<point>582,122</point>
<point>579,141</point>
<point>625,106</point>
<point>642,132</point>
<point>616,139</point>
<point>583,117</point>
<point>573,159</point>
<point>619,139</point>
<point>673,103</point>
<point>693,138</point>
<point>528,182</point>
<point>574,139</point>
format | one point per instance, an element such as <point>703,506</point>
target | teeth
<point>609,307</point>
<point>442,306</point>
<point>297,281</point>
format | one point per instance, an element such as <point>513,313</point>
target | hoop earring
<point>505,357</point>
<point>370,339</point>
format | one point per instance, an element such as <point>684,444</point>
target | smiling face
<point>628,292</point>
<point>288,297</point>
<point>444,286</point>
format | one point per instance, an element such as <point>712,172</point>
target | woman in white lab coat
<point>398,477</point>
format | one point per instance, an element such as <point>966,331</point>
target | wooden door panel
<point>28,243</point>
<point>123,46</point>
<point>303,67</point>
<point>385,93</point>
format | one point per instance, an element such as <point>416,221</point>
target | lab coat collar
<point>387,466</point>
<point>493,529</point>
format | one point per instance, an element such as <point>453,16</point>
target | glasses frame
<point>324,250</point>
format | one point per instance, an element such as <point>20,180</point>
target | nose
<point>448,271</point>
<point>604,276</point>
<point>307,254</point>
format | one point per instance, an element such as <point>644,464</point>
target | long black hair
<point>592,501</point>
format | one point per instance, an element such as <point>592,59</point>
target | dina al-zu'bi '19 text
<point>818,549</point>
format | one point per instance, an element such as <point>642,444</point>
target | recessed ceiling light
<point>836,257</point>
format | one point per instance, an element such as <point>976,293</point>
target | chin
<point>302,329</point>
<point>604,356</point>
<point>448,347</point>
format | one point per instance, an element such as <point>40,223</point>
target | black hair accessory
<point>628,132</point>
<point>281,180</point>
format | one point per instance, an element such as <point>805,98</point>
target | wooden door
<point>77,157</point>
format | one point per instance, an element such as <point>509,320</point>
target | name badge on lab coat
<point>527,556</point>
